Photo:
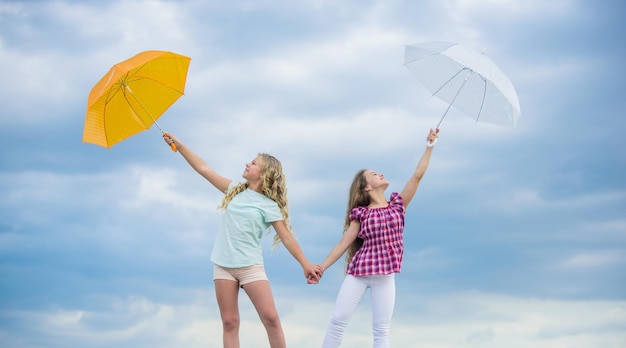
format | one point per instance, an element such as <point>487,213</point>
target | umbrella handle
<point>172,145</point>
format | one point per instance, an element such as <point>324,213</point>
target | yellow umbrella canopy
<point>133,95</point>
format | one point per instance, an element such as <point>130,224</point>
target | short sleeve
<point>396,202</point>
<point>271,213</point>
<point>356,213</point>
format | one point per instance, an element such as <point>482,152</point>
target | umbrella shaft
<point>456,95</point>
<point>143,107</point>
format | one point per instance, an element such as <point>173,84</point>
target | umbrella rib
<point>452,78</point>
<point>141,77</point>
<point>137,78</point>
<point>143,107</point>
<point>135,113</point>
<point>456,95</point>
<point>482,103</point>
<point>110,95</point>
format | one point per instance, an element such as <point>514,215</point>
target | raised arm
<point>198,164</point>
<point>340,248</point>
<point>311,272</point>
<point>411,186</point>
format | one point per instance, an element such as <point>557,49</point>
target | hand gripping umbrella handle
<point>172,144</point>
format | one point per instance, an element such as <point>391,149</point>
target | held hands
<point>313,273</point>
<point>432,137</point>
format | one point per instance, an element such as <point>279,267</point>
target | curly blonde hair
<point>357,197</point>
<point>273,186</point>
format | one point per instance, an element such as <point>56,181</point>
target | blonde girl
<point>249,209</point>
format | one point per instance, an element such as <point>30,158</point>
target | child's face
<point>253,170</point>
<point>375,180</point>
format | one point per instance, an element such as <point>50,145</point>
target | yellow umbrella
<point>133,95</point>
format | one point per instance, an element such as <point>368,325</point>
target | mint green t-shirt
<point>248,215</point>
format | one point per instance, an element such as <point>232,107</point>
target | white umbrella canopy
<point>466,79</point>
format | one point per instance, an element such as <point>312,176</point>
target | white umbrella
<point>467,80</point>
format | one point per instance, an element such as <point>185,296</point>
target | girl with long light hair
<point>249,209</point>
<point>373,244</point>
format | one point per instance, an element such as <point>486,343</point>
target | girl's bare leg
<point>227,293</point>
<point>260,294</point>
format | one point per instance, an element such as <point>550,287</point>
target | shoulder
<point>357,212</point>
<point>262,200</point>
<point>233,185</point>
<point>396,199</point>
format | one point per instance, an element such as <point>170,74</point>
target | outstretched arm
<point>311,271</point>
<point>198,164</point>
<point>411,186</point>
<point>340,248</point>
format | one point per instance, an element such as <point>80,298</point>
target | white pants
<point>383,292</point>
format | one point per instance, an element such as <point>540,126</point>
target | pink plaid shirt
<point>381,231</point>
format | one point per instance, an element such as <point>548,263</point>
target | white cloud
<point>522,201</point>
<point>595,259</point>
<point>117,211</point>
<point>446,320</point>
<point>151,188</point>
<point>452,320</point>
<point>461,8</point>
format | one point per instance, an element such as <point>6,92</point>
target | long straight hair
<point>273,186</point>
<point>357,197</point>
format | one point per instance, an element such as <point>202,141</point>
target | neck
<point>377,199</point>
<point>255,186</point>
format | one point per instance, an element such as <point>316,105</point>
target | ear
<point>367,188</point>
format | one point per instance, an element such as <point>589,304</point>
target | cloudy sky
<point>516,237</point>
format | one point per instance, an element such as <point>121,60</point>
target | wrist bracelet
<point>431,144</point>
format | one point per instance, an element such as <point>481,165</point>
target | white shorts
<point>242,275</point>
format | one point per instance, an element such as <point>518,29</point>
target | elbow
<point>417,177</point>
